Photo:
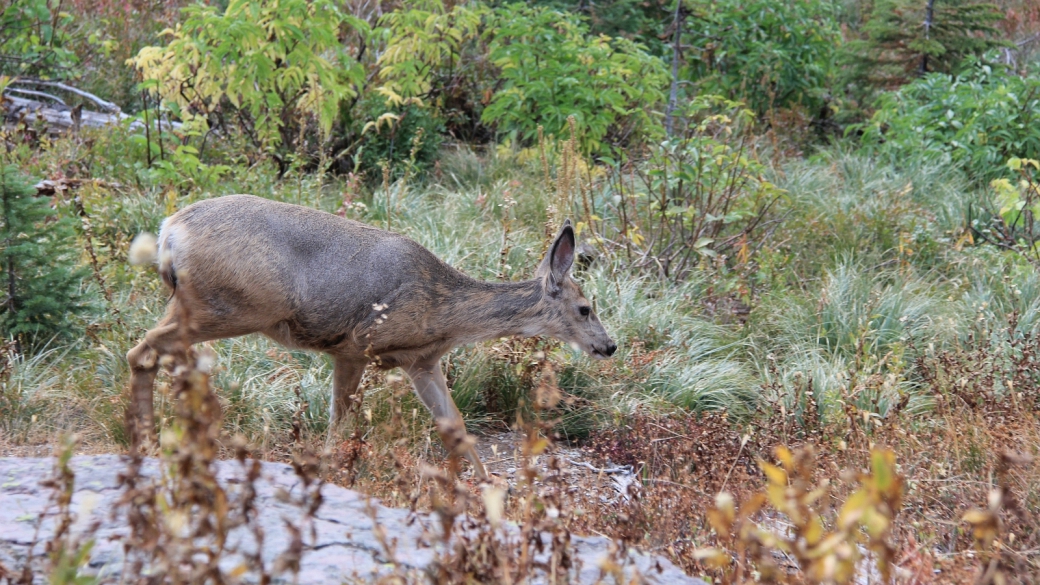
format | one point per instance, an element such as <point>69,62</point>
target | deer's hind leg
<point>168,337</point>
<point>144,365</point>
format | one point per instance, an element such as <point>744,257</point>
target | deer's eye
<point>584,311</point>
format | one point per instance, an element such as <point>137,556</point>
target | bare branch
<point>59,117</point>
<point>37,94</point>
<point>104,104</point>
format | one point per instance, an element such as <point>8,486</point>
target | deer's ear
<point>557,263</point>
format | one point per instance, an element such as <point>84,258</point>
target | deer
<point>312,280</point>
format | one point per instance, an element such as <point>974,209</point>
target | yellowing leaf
<point>853,509</point>
<point>777,495</point>
<point>976,516</point>
<point>814,531</point>
<point>539,446</point>
<point>775,475</point>
<point>883,463</point>
<point>875,523</point>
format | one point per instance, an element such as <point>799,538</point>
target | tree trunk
<point>928,16</point>
<point>12,301</point>
<point>673,94</point>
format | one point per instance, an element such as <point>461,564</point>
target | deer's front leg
<point>431,387</point>
<point>346,376</point>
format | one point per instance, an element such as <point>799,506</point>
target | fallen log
<point>61,118</point>
<point>105,105</point>
<point>60,186</point>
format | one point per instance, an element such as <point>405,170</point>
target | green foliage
<point>40,278</point>
<point>402,134</point>
<point>643,21</point>
<point>703,194</point>
<point>895,47</point>
<point>425,48</point>
<point>768,54</point>
<point>271,66</point>
<point>552,69</point>
<point>34,37</point>
<point>452,59</point>
<point>976,120</point>
<point>183,169</point>
<point>437,56</point>
<point>1014,226</point>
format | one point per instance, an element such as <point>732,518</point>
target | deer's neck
<point>486,310</point>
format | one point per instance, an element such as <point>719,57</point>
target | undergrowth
<point>867,320</point>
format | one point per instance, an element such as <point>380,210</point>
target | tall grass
<point>28,382</point>
<point>867,266</point>
<point>845,206</point>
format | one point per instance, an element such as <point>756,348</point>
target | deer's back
<point>303,276</point>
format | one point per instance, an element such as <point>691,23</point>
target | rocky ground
<point>343,547</point>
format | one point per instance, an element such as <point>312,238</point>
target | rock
<point>345,547</point>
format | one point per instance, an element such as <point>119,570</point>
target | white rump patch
<point>168,236</point>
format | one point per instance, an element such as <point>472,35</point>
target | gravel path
<point>345,550</point>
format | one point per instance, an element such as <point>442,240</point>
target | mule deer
<point>312,280</point>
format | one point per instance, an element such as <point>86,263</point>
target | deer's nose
<point>611,349</point>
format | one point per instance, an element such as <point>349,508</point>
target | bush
<point>552,70</point>
<point>1014,226</point>
<point>41,281</point>
<point>768,54</point>
<point>267,68</point>
<point>33,40</point>
<point>395,135</point>
<point>437,55</point>
<point>703,195</point>
<point>977,120</point>
<point>643,21</point>
<point>895,48</point>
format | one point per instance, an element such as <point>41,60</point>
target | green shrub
<point>552,69</point>
<point>436,55</point>
<point>701,194</point>
<point>643,21</point>
<point>1013,225</point>
<point>768,54</point>
<point>41,281</point>
<point>894,47</point>
<point>406,134</point>
<point>977,120</point>
<point>269,68</point>
<point>34,39</point>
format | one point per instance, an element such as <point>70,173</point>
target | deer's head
<point>571,317</point>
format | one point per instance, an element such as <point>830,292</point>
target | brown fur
<point>312,280</point>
